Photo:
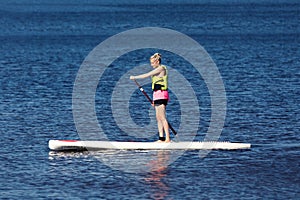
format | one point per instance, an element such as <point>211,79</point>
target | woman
<point>160,94</point>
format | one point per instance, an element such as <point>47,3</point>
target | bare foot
<point>159,141</point>
<point>167,141</point>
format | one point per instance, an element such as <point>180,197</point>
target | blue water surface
<point>255,45</point>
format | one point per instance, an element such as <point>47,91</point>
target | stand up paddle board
<point>77,145</point>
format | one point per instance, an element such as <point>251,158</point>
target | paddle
<point>150,100</point>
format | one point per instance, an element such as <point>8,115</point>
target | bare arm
<point>151,73</point>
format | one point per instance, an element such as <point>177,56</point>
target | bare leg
<point>162,122</point>
<point>159,124</point>
<point>166,129</point>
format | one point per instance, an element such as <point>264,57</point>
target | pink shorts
<point>160,94</point>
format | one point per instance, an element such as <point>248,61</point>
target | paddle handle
<point>143,91</point>
<point>150,100</point>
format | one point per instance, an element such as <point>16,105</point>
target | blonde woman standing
<point>159,76</point>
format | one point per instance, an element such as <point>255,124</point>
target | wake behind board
<point>77,145</point>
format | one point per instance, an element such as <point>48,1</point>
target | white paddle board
<point>77,145</point>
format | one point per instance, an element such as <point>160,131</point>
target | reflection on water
<point>129,161</point>
<point>158,172</point>
<point>151,165</point>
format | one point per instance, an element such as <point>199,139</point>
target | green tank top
<point>160,83</point>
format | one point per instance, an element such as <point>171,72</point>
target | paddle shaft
<point>150,100</point>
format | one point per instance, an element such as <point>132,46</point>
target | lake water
<point>255,47</point>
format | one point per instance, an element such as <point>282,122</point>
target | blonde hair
<point>156,56</point>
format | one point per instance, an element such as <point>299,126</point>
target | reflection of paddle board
<point>76,145</point>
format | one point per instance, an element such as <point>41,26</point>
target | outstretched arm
<point>151,73</point>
